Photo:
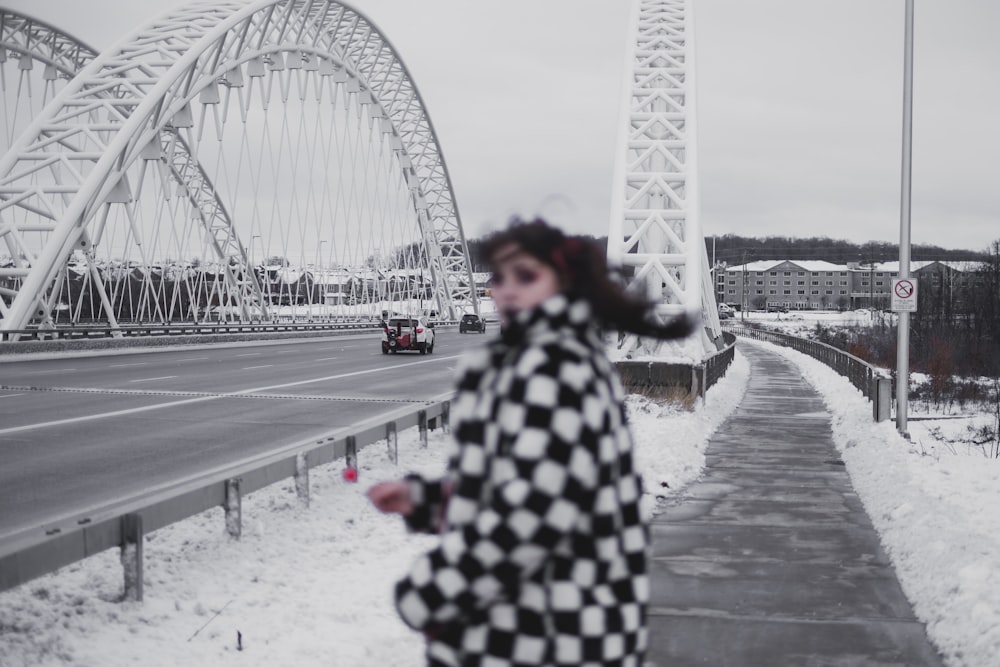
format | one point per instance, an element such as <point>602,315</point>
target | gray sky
<point>799,122</point>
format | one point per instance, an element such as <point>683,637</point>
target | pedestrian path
<point>769,559</point>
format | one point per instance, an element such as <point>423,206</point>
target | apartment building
<point>820,285</point>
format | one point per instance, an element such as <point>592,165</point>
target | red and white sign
<point>904,295</point>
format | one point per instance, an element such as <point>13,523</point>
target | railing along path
<point>873,382</point>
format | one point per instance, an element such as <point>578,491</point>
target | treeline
<point>733,249</point>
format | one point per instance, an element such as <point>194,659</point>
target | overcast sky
<point>800,108</point>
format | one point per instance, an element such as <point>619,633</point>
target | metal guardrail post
<point>882,400</point>
<point>234,508</point>
<point>351,453</point>
<point>446,417</point>
<point>302,478</point>
<point>392,442</point>
<point>131,556</point>
<point>422,428</point>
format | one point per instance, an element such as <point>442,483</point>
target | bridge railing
<point>84,332</point>
<point>44,548</point>
<point>874,383</point>
<point>669,378</point>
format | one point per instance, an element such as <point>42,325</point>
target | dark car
<point>472,322</point>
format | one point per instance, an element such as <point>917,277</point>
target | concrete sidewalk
<point>769,559</point>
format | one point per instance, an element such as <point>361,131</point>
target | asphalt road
<point>78,430</point>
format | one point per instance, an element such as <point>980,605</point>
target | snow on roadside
<point>303,586</point>
<point>938,515</point>
<point>671,441</point>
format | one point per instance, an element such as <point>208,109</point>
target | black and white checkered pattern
<point>542,559</point>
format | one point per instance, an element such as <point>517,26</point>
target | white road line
<point>250,368</point>
<point>326,359</point>
<point>57,370</point>
<point>205,399</point>
<point>165,377</point>
<point>141,363</point>
<point>11,395</point>
<point>249,354</point>
<point>192,359</point>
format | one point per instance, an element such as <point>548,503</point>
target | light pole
<point>903,334</point>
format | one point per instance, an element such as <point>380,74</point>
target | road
<point>75,431</point>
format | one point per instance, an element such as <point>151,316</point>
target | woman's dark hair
<point>583,271</point>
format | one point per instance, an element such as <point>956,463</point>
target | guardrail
<point>45,548</point>
<point>873,382</point>
<point>185,329</point>
<point>715,367</point>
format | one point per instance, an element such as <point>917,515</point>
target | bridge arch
<point>149,98</point>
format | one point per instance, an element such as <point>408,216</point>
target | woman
<point>542,559</point>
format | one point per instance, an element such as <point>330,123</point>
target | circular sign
<point>903,289</point>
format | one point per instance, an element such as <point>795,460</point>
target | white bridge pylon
<point>655,232</point>
<point>233,161</point>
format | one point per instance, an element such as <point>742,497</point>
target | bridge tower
<point>655,233</point>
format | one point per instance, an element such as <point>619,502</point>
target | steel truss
<point>133,103</point>
<point>655,232</point>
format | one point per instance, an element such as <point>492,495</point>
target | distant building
<point>800,285</point>
<point>820,285</point>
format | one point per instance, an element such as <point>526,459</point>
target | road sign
<point>904,295</point>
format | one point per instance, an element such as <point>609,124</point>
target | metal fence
<point>714,368</point>
<point>44,548</point>
<point>85,332</point>
<point>873,382</point>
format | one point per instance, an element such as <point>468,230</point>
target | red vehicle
<point>405,333</point>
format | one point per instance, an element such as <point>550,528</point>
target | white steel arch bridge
<point>230,161</point>
<point>248,160</point>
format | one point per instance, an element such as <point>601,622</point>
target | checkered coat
<point>543,553</point>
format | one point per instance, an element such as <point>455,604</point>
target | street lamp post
<point>903,335</point>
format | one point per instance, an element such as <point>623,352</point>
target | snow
<point>314,585</point>
<point>937,510</point>
<point>803,322</point>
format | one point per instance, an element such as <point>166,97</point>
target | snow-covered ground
<point>303,586</point>
<point>313,586</point>
<point>802,322</point>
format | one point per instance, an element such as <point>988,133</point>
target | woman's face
<point>520,281</point>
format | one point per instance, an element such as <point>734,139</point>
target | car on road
<point>472,322</point>
<point>408,333</point>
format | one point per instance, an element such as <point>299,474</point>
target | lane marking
<point>141,363</point>
<point>325,359</point>
<point>250,368</point>
<point>192,359</point>
<point>57,370</point>
<point>11,395</point>
<point>205,399</point>
<point>165,377</point>
<point>250,354</point>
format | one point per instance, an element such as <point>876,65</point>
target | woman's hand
<point>391,497</point>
